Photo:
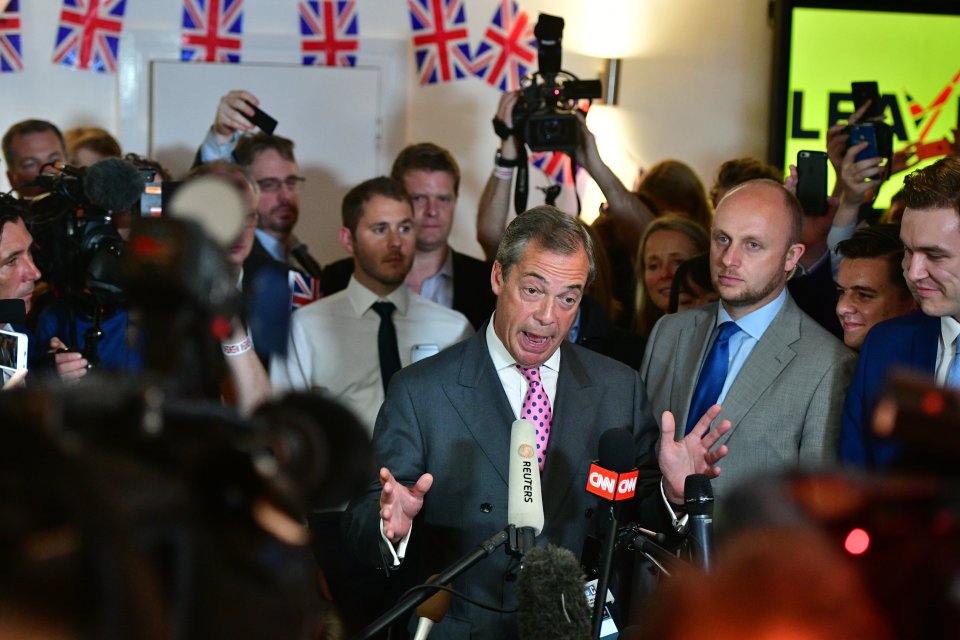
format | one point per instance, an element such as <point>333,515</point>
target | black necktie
<point>387,342</point>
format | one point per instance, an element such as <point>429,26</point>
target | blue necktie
<point>712,375</point>
<point>953,375</point>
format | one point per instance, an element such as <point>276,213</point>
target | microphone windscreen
<point>698,494</point>
<point>550,596</point>
<point>113,184</point>
<point>524,500</point>
<point>618,451</point>
<point>435,607</point>
<point>214,204</point>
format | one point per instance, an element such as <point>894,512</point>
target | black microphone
<point>618,452</point>
<point>113,184</point>
<point>550,601</point>
<point>698,496</point>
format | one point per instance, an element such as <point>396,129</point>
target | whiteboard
<point>331,114</point>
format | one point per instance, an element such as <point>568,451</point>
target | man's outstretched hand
<point>692,454</point>
<point>400,504</point>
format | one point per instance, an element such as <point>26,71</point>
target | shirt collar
<point>361,298</point>
<point>501,356</point>
<point>273,246</point>
<point>802,271</point>
<point>756,322</point>
<point>949,330</point>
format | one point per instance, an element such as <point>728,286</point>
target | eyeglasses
<point>273,185</point>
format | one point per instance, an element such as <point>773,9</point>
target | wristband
<point>500,161</point>
<point>236,349</point>
<point>501,129</point>
<point>503,173</point>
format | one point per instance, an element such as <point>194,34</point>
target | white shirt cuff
<point>211,150</point>
<point>396,553</point>
<point>678,523</point>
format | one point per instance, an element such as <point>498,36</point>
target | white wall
<point>695,85</point>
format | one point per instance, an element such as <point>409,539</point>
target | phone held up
<point>812,182</point>
<point>13,351</point>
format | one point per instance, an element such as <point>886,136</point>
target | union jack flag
<point>330,38</point>
<point>10,51</point>
<point>508,49</point>
<point>440,40</point>
<point>89,34</point>
<point>212,30</point>
<point>555,165</point>
<point>303,289</point>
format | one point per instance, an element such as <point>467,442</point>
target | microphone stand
<point>603,580</point>
<point>485,548</point>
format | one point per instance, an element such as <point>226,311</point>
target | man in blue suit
<point>927,341</point>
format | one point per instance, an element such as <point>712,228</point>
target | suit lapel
<point>768,359</point>
<point>567,449</point>
<point>478,398</point>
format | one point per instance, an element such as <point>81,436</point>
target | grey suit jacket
<point>449,415</point>
<point>785,404</point>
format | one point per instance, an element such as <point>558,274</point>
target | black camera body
<point>543,117</point>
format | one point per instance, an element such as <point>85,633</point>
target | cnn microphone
<point>614,478</point>
<point>698,496</point>
<point>430,612</point>
<point>524,500</point>
<point>550,600</point>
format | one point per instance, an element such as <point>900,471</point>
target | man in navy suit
<point>927,341</point>
<point>443,433</point>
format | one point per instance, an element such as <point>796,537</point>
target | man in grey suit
<point>780,377</point>
<point>443,432</point>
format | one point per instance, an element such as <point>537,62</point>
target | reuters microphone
<point>524,500</point>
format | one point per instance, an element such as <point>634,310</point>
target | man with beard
<point>350,343</point>
<point>779,376</point>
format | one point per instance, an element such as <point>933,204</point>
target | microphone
<point>614,478</point>
<point>524,500</point>
<point>112,184</point>
<point>431,612</point>
<point>550,600</point>
<point>698,496</point>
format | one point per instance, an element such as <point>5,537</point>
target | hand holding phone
<point>864,132</point>
<point>261,120</point>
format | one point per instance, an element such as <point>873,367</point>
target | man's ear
<point>496,278</point>
<point>346,240</point>
<point>794,252</point>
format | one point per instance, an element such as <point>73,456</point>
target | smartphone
<point>863,91</point>
<point>13,351</point>
<point>261,120</point>
<point>864,132</point>
<point>422,351</point>
<point>812,182</point>
<point>151,198</point>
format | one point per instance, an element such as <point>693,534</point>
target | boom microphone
<point>550,600</point>
<point>113,184</point>
<point>524,500</point>
<point>698,496</point>
<point>618,481</point>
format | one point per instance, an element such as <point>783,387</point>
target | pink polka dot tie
<point>536,409</point>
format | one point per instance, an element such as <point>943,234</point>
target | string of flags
<point>88,37</point>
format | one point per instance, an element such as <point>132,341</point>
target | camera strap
<point>522,189</point>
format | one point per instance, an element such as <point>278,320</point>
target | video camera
<point>77,247</point>
<point>544,117</point>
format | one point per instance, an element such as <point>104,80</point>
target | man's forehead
<point>422,178</point>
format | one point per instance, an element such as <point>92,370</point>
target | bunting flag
<point>11,55</point>
<point>508,50</point>
<point>212,30</point>
<point>441,42</point>
<point>88,35</point>
<point>303,289</point>
<point>556,165</point>
<point>330,36</point>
